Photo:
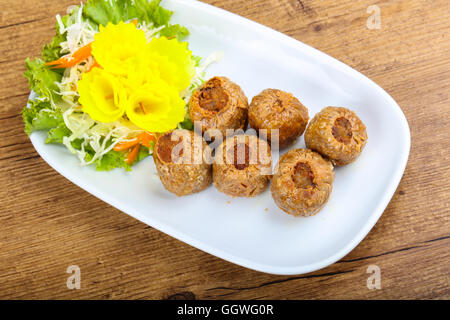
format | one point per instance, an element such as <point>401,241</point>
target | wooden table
<point>48,224</point>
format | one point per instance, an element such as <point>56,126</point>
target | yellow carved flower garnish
<point>156,107</point>
<point>102,95</point>
<point>175,61</point>
<point>144,70</point>
<point>116,47</point>
<point>141,79</point>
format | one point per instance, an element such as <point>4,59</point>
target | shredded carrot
<point>126,145</point>
<point>83,52</point>
<point>143,138</point>
<point>170,37</point>
<point>135,22</point>
<point>146,138</point>
<point>132,155</point>
<point>71,60</point>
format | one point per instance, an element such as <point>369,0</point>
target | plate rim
<point>201,245</point>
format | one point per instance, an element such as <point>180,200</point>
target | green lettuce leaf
<point>103,11</point>
<point>197,60</point>
<point>112,160</point>
<point>160,16</point>
<point>41,79</point>
<point>187,124</point>
<point>175,30</point>
<point>57,134</point>
<point>40,116</point>
<point>52,50</point>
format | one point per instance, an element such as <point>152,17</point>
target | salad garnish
<point>116,75</point>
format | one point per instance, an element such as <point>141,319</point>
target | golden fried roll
<point>276,109</point>
<point>302,182</point>
<point>219,104</point>
<point>338,134</point>
<point>178,157</point>
<point>242,166</point>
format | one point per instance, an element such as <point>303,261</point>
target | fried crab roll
<point>242,166</point>
<point>338,134</point>
<point>180,163</point>
<point>219,104</point>
<point>302,182</point>
<point>276,109</point>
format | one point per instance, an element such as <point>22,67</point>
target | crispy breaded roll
<point>302,182</point>
<point>276,109</point>
<point>219,104</point>
<point>242,166</point>
<point>338,134</point>
<point>179,160</point>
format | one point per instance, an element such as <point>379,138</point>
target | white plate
<point>241,230</point>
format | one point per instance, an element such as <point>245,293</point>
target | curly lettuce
<point>41,79</point>
<point>40,116</point>
<point>102,12</point>
<point>52,50</point>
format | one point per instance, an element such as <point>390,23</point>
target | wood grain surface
<point>48,224</point>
